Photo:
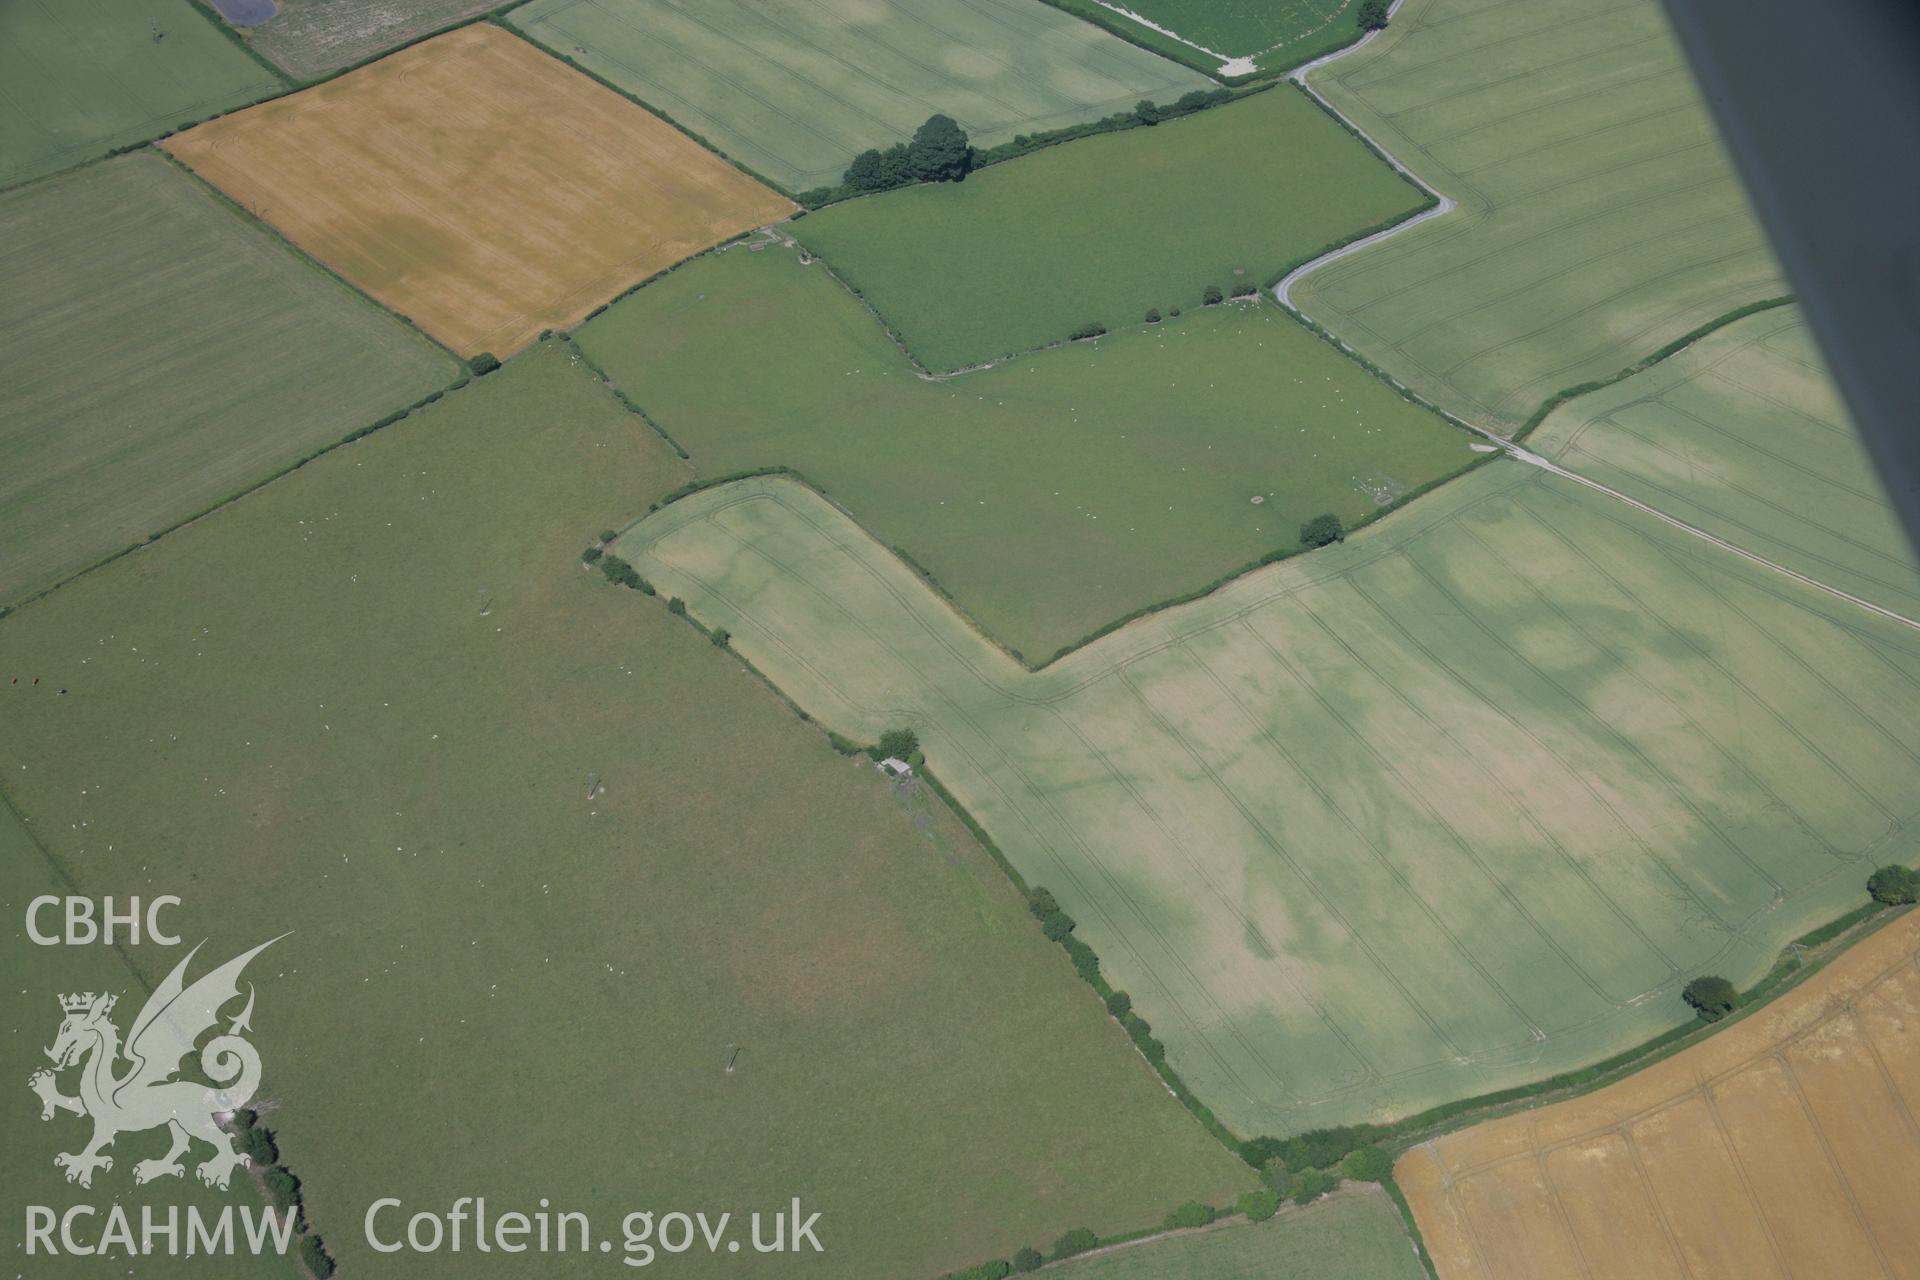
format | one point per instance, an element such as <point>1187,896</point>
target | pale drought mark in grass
<point>1453,806</point>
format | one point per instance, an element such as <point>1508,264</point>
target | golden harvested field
<point>478,185</point>
<point>1785,1146</point>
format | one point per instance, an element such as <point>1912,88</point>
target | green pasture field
<point>165,353</point>
<point>1230,37</point>
<point>1354,1234</point>
<point>1023,253</point>
<point>79,78</point>
<point>546,852</point>
<point>1599,217</point>
<point>30,1016</point>
<point>1050,496</point>
<point>1743,434</point>
<point>312,38</point>
<point>1456,805</point>
<point>794,89</point>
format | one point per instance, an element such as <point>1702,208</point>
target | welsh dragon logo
<point>147,1094</point>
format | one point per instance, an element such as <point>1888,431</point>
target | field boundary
<point>1423,208</point>
<point>247,215</point>
<point>226,28</point>
<point>1132,37</point>
<point>1107,628</point>
<point>284,471</point>
<point>1674,348</point>
<point>1796,961</point>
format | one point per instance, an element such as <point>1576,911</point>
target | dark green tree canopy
<point>939,151</point>
<point>1895,885</point>
<point>1321,530</point>
<point>900,743</point>
<point>1713,998</point>
<point>1372,14</point>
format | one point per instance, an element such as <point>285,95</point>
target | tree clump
<point>1076,1241</point>
<point>1371,15</point>
<point>938,152</point>
<point>1895,885</point>
<point>1322,530</point>
<point>1713,998</point>
<point>899,743</point>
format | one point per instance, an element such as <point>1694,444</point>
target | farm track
<point>1283,294</point>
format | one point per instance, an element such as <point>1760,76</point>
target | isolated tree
<point>1713,998</point>
<point>899,743</point>
<point>720,636</point>
<point>1028,1259</point>
<point>1211,296</point>
<point>1321,530</point>
<point>1153,315</point>
<point>1895,885</point>
<point>939,151</point>
<point>1372,14</point>
<point>1146,113</point>
<point>483,364</point>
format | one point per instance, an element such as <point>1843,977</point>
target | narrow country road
<point>1283,294</point>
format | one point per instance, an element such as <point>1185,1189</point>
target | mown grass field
<point>1356,1234</point>
<point>79,78</point>
<point>1023,253</point>
<point>794,90</point>
<point>1454,806</point>
<point>1050,496</point>
<point>1233,37</point>
<point>162,354</point>
<point>30,1016</point>
<point>311,38</point>
<point>1744,434</point>
<point>478,186</point>
<point>374,703</point>
<point>1784,1145</point>
<point>1599,217</point>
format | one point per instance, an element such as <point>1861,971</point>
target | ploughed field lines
<point>162,353</point>
<point>1787,1145</point>
<point>1744,435</point>
<point>1599,216</point>
<point>1453,806</point>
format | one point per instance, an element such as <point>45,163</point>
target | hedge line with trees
<point>256,1142</point>
<point>882,170</point>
